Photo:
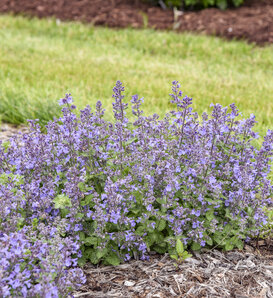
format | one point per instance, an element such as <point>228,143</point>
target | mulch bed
<point>252,22</point>
<point>238,274</point>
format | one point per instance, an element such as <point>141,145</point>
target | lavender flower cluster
<point>107,192</point>
<point>38,265</point>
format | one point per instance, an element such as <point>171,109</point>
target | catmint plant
<point>92,190</point>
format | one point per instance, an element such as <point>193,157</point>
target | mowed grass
<point>41,60</point>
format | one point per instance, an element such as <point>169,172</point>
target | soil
<point>253,21</point>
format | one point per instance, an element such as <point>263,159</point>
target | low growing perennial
<point>106,192</point>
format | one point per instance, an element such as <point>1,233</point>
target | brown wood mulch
<point>252,22</point>
<point>211,273</point>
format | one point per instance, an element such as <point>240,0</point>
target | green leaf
<point>239,244</point>
<point>82,261</point>
<point>174,257</point>
<point>222,4</point>
<point>237,2</point>
<point>161,225</point>
<point>112,259</point>
<point>159,238</point>
<point>210,215</point>
<point>227,228</point>
<point>235,232</point>
<point>91,240</point>
<point>138,195</point>
<point>90,254</point>
<point>94,259</point>
<point>6,145</point>
<point>228,214</point>
<point>179,247</point>
<point>162,200</point>
<point>35,222</point>
<point>87,200</point>
<point>81,186</point>
<point>229,245</point>
<point>209,241</point>
<point>79,215</point>
<point>149,240</point>
<point>195,246</point>
<point>140,230</point>
<point>249,211</point>
<point>217,237</point>
<point>159,248</point>
<point>82,236</point>
<point>101,252</point>
<point>171,250</point>
<point>130,142</point>
<point>186,255</point>
<point>154,237</point>
<point>62,201</point>
<point>162,244</point>
<point>64,212</point>
<point>92,227</point>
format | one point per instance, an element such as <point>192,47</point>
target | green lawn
<point>40,60</point>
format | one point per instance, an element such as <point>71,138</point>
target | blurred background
<point>219,50</point>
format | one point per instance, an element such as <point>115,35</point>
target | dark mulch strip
<point>252,22</point>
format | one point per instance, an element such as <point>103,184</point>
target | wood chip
<point>210,274</point>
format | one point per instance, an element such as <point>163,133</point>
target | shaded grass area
<point>41,60</point>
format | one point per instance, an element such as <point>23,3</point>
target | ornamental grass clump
<point>93,190</point>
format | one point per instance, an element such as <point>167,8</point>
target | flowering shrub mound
<point>92,190</point>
